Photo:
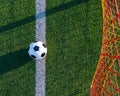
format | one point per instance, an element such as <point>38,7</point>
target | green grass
<point>17,25</point>
<point>74,41</point>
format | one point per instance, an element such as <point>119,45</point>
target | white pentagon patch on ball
<point>37,50</point>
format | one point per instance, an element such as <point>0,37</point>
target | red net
<point>106,80</point>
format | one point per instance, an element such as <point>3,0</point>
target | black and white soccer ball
<point>37,50</point>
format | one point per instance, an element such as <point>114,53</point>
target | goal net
<point>106,80</point>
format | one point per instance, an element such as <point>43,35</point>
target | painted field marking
<point>40,36</point>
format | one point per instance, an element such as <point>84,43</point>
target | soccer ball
<point>37,50</point>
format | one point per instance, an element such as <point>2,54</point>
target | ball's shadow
<point>13,60</point>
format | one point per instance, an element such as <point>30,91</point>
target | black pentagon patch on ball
<point>33,56</point>
<point>43,54</point>
<point>36,48</point>
<point>44,45</point>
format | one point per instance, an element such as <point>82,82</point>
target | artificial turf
<point>17,30</point>
<point>74,31</point>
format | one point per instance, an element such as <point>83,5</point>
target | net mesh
<point>106,80</point>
